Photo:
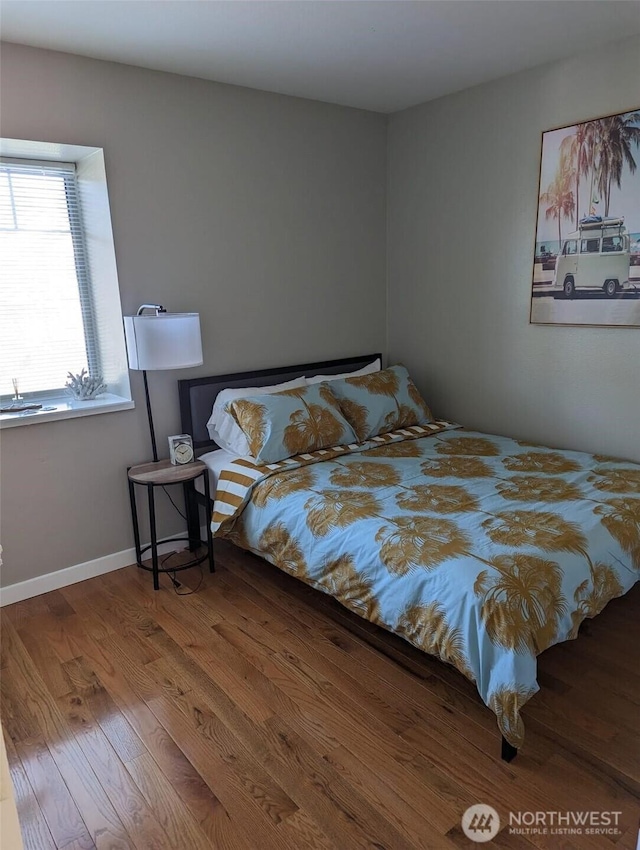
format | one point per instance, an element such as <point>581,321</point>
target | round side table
<point>162,473</point>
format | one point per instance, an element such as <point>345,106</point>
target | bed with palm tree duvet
<point>479,549</point>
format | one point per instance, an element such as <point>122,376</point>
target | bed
<point>479,549</point>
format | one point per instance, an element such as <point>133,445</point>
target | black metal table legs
<point>193,530</point>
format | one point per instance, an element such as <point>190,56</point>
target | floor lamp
<point>160,340</point>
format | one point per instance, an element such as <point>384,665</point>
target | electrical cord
<point>174,581</point>
<point>172,575</point>
<point>177,585</point>
<point>168,495</point>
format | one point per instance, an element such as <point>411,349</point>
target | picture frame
<point>586,268</point>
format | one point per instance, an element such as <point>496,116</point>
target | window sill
<point>66,408</point>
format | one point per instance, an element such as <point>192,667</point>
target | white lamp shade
<point>163,341</point>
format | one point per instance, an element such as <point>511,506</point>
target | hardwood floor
<point>257,714</point>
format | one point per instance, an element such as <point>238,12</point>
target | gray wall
<point>264,213</point>
<point>462,197</point>
<point>267,215</point>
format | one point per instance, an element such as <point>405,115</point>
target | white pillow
<point>223,428</point>
<point>366,370</point>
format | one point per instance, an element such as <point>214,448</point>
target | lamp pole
<point>150,415</point>
<point>157,308</point>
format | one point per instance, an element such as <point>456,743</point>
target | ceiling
<point>383,55</point>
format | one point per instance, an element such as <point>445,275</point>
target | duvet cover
<point>479,549</point>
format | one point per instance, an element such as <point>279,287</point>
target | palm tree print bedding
<point>291,422</point>
<point>481,550</point>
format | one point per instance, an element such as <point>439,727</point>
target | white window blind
<point>47,328</point>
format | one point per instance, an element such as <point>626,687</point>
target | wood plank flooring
<point>258,714</point>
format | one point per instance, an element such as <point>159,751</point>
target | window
<point>590,246</point>
<point>570,247</point>
<point>46,322</point>
<point>60,306</point>
<point>612,243</point>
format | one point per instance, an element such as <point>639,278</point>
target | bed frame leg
<point>508,752</point>
<point>192,515</point>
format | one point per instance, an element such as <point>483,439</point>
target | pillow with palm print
<point>291,422</point>
<point>380,402</point>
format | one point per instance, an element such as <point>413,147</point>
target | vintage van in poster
<point>587,259</point>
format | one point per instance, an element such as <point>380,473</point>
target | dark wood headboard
<point>198,394</point>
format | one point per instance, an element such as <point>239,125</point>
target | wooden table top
<point>165,472</point>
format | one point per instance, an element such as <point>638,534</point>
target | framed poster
<point>586,268</point>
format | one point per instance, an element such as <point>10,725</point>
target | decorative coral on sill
<point>85,387</point>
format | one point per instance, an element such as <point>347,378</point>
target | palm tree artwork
<point>559,198</point>
<point>599,150</point>
<point>617,136</point>
<point>577,151</point>
<point>586,267</point>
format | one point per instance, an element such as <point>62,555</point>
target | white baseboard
<point>89,569</point>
